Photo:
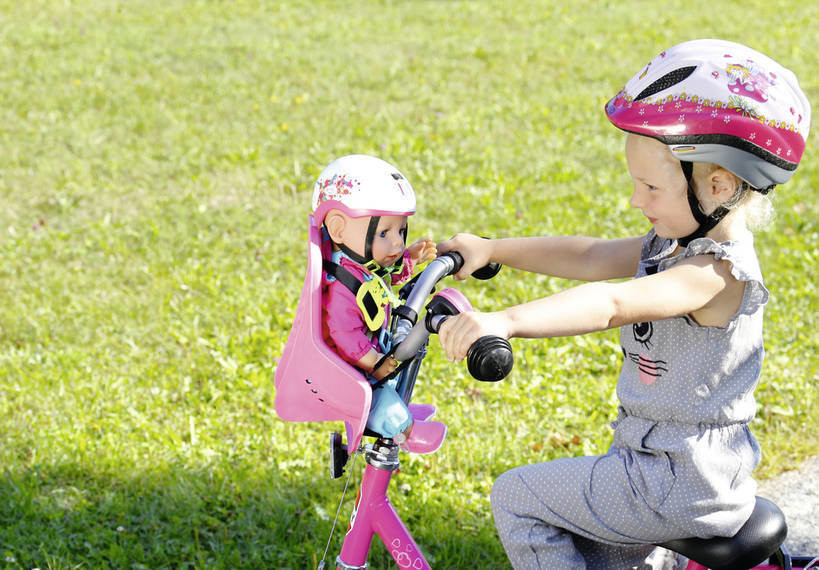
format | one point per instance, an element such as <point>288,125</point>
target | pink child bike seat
<point>313,383</point>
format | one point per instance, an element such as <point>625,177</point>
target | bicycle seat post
<point>383,455</point>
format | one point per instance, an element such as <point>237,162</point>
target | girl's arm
<point>700,286</point>
<point>570,257</point>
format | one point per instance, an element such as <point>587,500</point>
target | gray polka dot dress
<point>682,454</point>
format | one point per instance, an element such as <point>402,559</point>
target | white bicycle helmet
<point>720,102</point>
<point>361,185</point>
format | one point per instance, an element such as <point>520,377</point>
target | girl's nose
<point>635,201</point>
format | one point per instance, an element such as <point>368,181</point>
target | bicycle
<point>314,384</point>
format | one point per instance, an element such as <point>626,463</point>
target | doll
<point>363,203</point>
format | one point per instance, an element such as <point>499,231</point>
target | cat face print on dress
<point>650,369</point>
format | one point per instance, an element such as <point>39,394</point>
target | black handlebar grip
<point>487,271</point>
<point>490,359</point>
<point>457,259</point>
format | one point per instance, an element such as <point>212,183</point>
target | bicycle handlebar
<point>489,359</point>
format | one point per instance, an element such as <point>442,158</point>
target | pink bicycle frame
<point>374,514</point>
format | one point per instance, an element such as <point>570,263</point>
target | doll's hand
<point>422,250</point>
<point>473,249</point>
<point>387,368</point>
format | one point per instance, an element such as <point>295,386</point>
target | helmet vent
<point>666,81</point>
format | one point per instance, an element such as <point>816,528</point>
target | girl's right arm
<point>569,257</point>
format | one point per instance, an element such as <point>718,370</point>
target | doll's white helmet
<point>719,102</point>
<point>360,185</point>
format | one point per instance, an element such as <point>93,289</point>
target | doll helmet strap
<point>719,102</point>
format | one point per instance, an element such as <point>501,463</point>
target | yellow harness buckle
<point>371,299</point>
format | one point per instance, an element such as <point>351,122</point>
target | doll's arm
<point>344,325</point>
<point>419,252</point>
<point>422,250</point>
<point>369,360</point>
<point>346,328</point>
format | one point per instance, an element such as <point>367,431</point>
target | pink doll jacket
<point>344,329</point>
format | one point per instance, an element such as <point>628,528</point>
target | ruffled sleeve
<point>744,266</point>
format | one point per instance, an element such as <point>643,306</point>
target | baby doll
<point>363,204</point>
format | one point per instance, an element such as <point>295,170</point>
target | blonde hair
<point>758,208</point>
<point>755,206</point>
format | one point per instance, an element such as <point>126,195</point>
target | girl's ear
<point>722,185</point>
<point>335,222</point>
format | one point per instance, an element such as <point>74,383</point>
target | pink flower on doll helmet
<point>361,185</point>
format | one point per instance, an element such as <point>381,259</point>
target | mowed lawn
<point>156,168</point>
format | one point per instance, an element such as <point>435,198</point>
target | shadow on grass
<point>69,516</point>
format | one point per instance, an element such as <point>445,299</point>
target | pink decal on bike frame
<point>312,382</point>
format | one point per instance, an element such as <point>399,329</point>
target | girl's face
<point>389,240</point>
<point>660,188</point>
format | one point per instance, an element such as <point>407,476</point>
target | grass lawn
<point>156,168</point>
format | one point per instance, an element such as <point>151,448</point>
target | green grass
<point>156,170</point>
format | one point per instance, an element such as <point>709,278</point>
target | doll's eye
<point>383,234</point>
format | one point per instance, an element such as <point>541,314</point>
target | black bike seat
<point>756,541</point>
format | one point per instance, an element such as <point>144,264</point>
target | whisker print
<point>655,371</point>
<point>645,365</point>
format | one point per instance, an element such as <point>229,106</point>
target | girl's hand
<point>475,251</point>
<point>458,333</point>
<point>422,250</point>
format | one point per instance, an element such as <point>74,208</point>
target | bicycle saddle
<point>757,540</point>
<point>312,382</point>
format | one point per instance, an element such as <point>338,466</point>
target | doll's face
<point>389,240</point>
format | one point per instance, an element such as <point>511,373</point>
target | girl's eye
<point>383,234</point>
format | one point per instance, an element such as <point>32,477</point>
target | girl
<point>364,203</point>
<point>711,127</point>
